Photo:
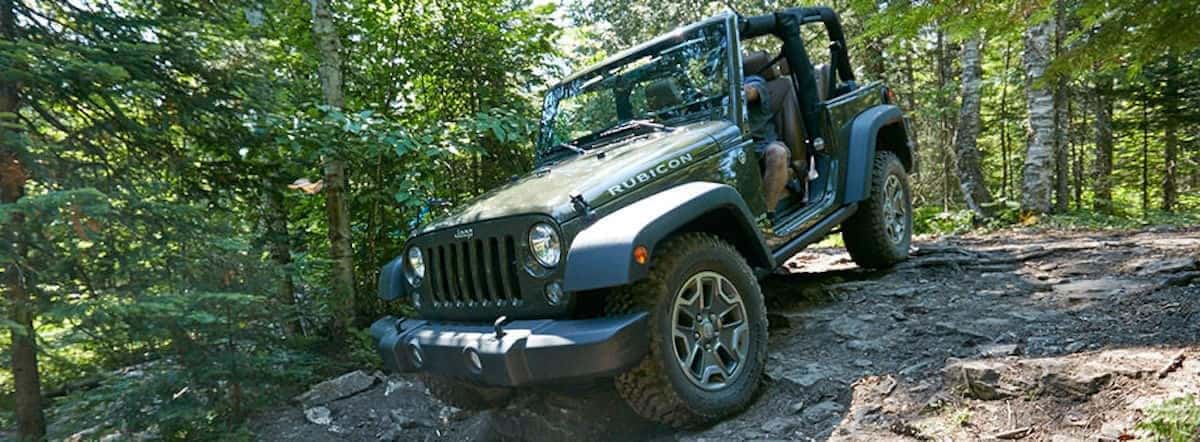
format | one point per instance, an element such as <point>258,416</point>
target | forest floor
<point>1018,334</point>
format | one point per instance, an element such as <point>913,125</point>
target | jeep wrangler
<point>634,249</point>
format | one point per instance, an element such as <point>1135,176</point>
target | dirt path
<point>1030,335</point>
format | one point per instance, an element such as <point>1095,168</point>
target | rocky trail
<point>1031,335</point>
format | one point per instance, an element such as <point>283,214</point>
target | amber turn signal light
<point>641,255</point>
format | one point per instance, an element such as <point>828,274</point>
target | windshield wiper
<point>633,124</point>
<point>570,147</point>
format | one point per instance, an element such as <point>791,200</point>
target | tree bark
<point>1145,150</point>
<point>875,67</point>
<point>1038,175</point>
<point>1170,195</point>
<point>337,212</point>
<point>944,59</point>
<point>1004,156</point>
<point>280,250</point>
<point>27,382</point>
<point>1102,112</point>
<point>1075,145</point>
<point>1062,190</point>
<point>970,175</point>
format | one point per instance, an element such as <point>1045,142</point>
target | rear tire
<point>708,333</point>
<point>463,395</point>
<point>879,233</point>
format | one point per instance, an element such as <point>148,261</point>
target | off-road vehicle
<point>633,251</point>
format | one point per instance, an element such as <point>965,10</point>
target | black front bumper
<point>529,352</point>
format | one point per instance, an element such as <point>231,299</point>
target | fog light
<point>473,361</point>
<point>554,293</point>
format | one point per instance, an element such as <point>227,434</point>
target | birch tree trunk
<point>27,382</point>
<point>1102,113</point>
<point>1037,186</point>
<point>337,213</point>
<point>967,157</point>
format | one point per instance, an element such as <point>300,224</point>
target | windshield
<point>679,78</point>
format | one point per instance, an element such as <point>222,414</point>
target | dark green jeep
<point>633,250</point>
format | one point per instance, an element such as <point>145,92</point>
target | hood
<point>600,176</point>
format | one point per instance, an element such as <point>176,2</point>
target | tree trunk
<point>875,67</point>
<point>1170,135</point>
<point>275,214</point>
<point>337,213</point>
<point>1145,150</point>
<point>1038,175</point>
<point>970,176</point>
<point>27,382</point>
<point>944,60</point>
<point>1062,191</point>
<point>1102,112</point>
<point>1004,152</point>
<point>1075,145</point>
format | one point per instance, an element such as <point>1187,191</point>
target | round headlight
<point>415,270</point>
<point>544,244</point>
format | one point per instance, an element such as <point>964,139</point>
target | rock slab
<point>342,386</point>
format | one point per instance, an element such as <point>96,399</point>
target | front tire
<point>879,233</point>
<point>708,333</point>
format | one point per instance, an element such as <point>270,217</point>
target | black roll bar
<point>786,26</point>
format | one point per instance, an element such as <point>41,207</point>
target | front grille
<point>474,272</point>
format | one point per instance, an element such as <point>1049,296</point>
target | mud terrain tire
<point>870,234</point>
<point>658,388</point>
<point>463,395</point>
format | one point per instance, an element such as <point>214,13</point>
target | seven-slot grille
<point>473,272</point>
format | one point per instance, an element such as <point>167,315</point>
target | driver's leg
<point>775,175</point>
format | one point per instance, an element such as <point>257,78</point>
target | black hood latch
<point>582,207</point>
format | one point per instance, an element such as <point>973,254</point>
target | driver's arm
<point>756,90</point>
<point>751,93</point>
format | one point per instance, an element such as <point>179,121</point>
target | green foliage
<point>217,356</point>
<point>934,220</point>
<point>1175,420</point>
<point>164,251</point>
<point>1086,219</point>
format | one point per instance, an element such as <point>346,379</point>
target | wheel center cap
<point>707,330</point>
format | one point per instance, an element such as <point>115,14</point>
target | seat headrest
<point>755,63</point>
<point>662,93</point>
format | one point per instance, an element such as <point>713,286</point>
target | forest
<point>196,196</point>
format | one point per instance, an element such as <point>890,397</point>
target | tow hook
<point>498,326</point>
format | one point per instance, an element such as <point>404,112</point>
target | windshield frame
<point>732,89</point>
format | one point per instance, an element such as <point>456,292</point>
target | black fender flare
<point>863,134</point>
<point>601,255</point>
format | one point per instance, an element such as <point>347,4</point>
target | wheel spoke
<point>712,367</point>
<point>735,339</point>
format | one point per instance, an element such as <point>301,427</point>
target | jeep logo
<point>464,233</point>
<point>661,169</point>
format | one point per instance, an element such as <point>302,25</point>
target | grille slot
<point>475,272</point>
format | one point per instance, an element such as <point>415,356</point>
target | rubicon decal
<point>661,169</point>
